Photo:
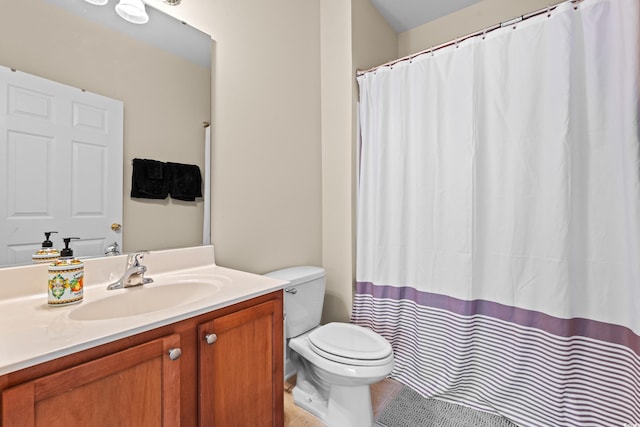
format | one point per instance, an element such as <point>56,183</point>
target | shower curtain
<point>498,224</point>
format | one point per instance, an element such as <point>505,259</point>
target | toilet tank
<point>303,297</point>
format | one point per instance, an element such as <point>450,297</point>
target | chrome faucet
<point>112,249</point>
<point>134,274</point>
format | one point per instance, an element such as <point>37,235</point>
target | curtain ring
<point>457,44</point>
<point>431,51</point>
<point>549,11</point>
<point>484,34</point>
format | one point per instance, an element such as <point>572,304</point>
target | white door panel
<point>61,157</point>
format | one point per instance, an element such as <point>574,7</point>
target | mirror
<point>161,71</point>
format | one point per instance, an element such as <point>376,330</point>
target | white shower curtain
<point>498,242</point>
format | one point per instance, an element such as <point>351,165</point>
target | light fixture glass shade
<point>97,2</point>
<point>133,11</point>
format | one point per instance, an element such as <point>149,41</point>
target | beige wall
<point>161,124</point>
<point>335,53</point>
<point>336,125</point>
<point>267,208</point>
<point>267,167</point>
<point>374,42</point>
<point>465,21</point>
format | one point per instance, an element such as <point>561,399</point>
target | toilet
<point>335,363</point>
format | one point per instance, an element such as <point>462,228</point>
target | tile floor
<point>382,394</point>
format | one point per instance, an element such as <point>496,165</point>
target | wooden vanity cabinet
<point>139,386</point>
<point>229,374</point>
<point>239,363</point>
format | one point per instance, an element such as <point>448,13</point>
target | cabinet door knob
<point>175,353</point>
<point>211,338</point>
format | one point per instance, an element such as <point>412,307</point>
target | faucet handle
<point>134,259</point>
<point>112,249</point>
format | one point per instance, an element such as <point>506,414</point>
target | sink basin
<point>149,298</point>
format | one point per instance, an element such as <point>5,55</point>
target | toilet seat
<point>350,344</point>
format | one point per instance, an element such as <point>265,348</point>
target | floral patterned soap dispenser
<point>66,278</point>
<point>47,252</point>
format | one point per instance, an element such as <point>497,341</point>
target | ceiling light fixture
<point>97,2</point>
<point>132,11</point>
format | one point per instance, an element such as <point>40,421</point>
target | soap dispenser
<point>47,253</point>
<point>66,278</point>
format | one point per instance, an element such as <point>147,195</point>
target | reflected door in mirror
<point>61,153</point>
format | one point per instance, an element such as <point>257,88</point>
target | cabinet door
<point>239,352</point>
<point>137,387</point>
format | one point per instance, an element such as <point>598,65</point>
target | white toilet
<point>335,363</point>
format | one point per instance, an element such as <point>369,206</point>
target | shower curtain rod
<point>483,32</point>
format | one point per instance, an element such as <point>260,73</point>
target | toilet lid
<point>351,344</point>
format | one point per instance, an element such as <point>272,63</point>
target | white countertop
<point>32,332</point>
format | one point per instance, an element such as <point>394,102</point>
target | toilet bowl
<point>335,363</point>
<point>334,374</point>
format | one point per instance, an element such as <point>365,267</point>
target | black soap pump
<point>47,253</point>
<point>67,252</point>
<point>66,278</point>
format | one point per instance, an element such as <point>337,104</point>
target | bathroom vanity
<point>205,361</point>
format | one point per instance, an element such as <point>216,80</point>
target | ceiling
<point>404,15</point>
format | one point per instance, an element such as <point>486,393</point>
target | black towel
<point>185,181</point>
<point>149,180</point>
